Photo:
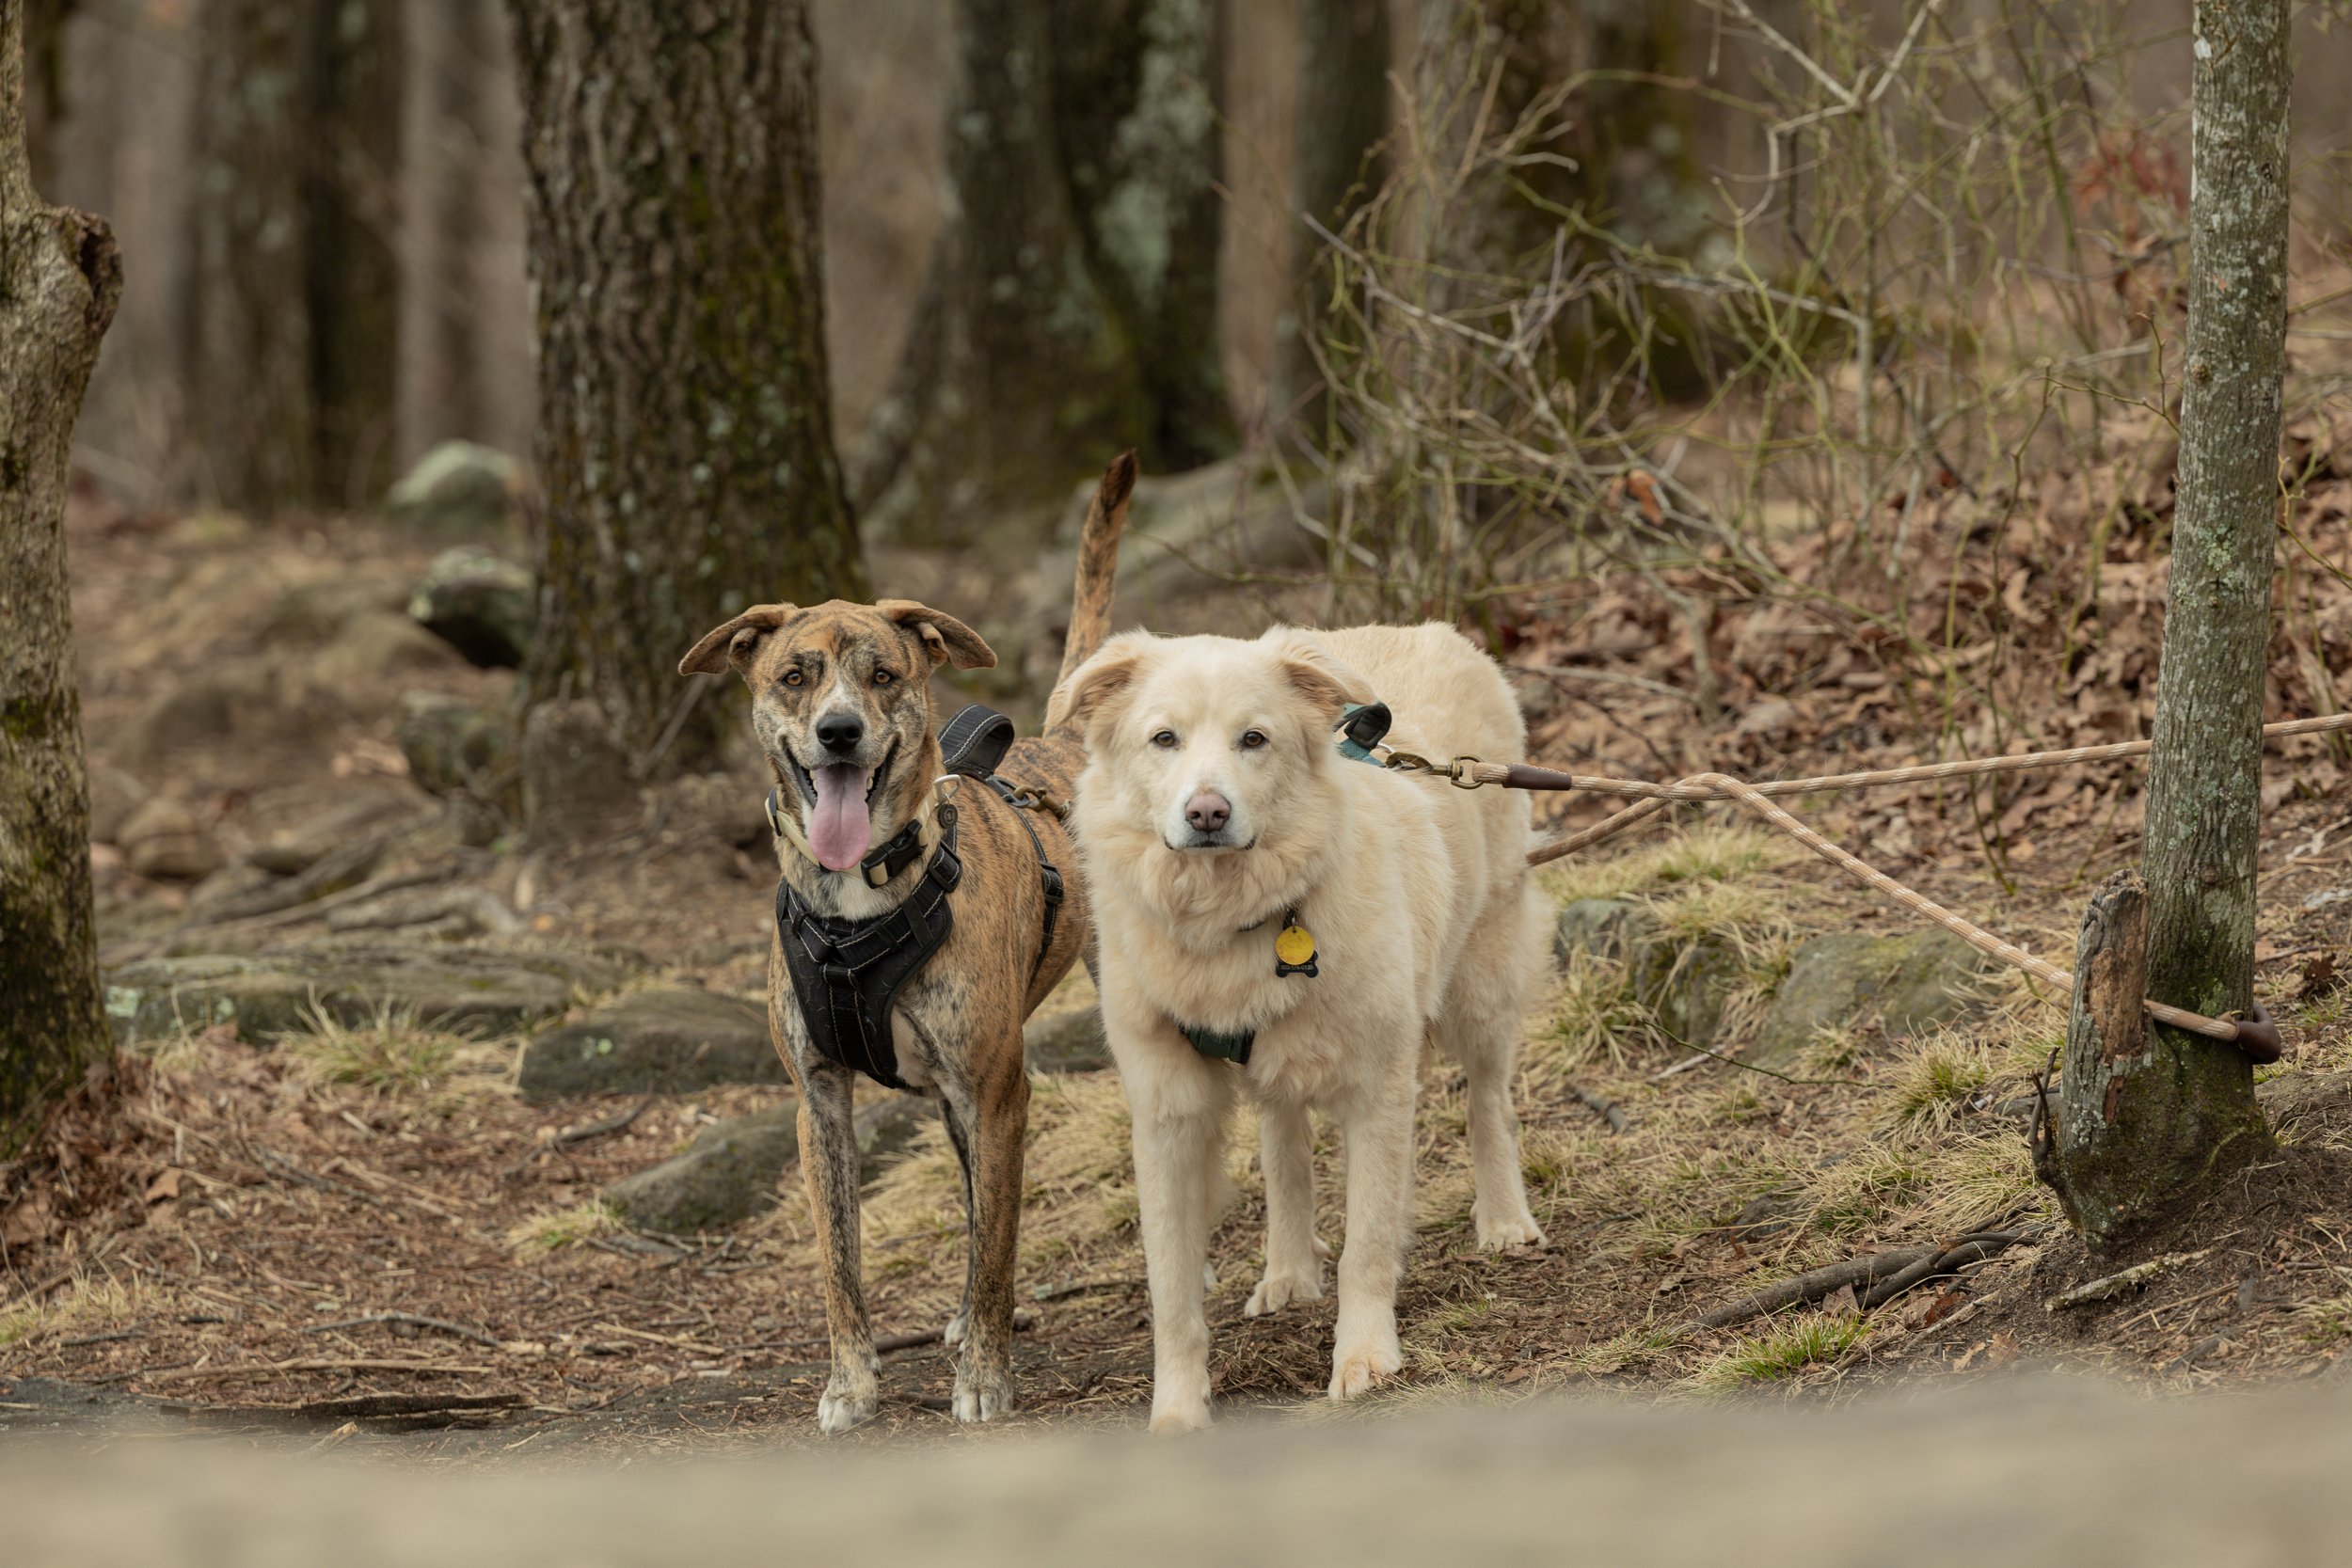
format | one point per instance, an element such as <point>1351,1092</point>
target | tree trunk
<point>1344,55</point>
<point>685,449</point>
<point>248,352</point>
<point>44,82</point>
<point>60,278</point>
<point>1018,374</point>
<point>1135,126</point>
<point>358,58</point>
<point>2204,772</point>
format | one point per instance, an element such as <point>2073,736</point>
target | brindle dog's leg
<point>829,1162</point>
<point>961,1322</point>
<point>994,1115</point>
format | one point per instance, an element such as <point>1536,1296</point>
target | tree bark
<point>1018,374</point>
<point>44,82</point>
<point>352,201</point>
<point>248,352</point>
<point>685,450</point>
<point>60,278</point>
<point>1135,127</point>
<point>2204,775</point>
<point>1344,55</point>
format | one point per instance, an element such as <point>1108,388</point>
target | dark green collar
<point>1228,1047</point>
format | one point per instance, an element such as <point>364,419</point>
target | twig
<point>1079,1288</point>
<point>1606,1109</point>
<point>279,1369</point>
<point>1858,1272</point>
<point>1973,1249</point>
<point>598,1128</point>
<point>2107,1287</point>
<point>356,1407</point>
<point>459,1329</point>
<point>889,1342</point>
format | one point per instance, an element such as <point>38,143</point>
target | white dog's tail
<point>1098,566</point>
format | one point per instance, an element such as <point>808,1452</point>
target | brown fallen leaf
<point>165,1187</point>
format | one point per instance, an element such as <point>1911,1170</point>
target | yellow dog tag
<point>1295,950</point>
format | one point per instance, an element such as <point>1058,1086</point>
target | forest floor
<point>319,1236</point>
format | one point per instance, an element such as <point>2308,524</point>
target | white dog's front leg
<point>1294,1268</point>
<point>1380,1227</point>
<point>1176,1149</point>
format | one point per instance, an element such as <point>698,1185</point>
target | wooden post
<point>2114,1144</point>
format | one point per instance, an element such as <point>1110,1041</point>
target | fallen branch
<point>2107,1287</point>
<point>599,1129</point>
<point>1606,1109</point>
<point>356,1407</point>
<point>279,1369</point>
<point>1857,1271</point>
<point>1969,1249</point>
<point>410,1317</point>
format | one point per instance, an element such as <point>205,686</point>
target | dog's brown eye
<point>793,677</point>
<point>1252,739</point>
<point>1164,740</point>
<point>884,677</point>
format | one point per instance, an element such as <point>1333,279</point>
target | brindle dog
<point>841,709</point>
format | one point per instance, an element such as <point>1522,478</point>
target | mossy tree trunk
<point>1344,100</point>
<point>60,278</point>
<point>292,302</point>
<point>1069,309</point>
<point>2188,1112</point>
<point>685,448</point>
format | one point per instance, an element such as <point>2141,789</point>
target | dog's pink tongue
<point>839,829</point>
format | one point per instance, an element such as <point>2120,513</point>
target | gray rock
<point>485,988</point>
<point>1686,984</point>
<point>1907,983</point>
<point>727,1175</point>
<point>296,848</point>
<point>576,785</point>
<point>227,700</point>
<point>1067,1041</point>
<point>457,748</point>
<point>887,1128</point>
<point>378,644</point>
<point>436,914</point>
<point>163,839</point>
<point>458,487</point>
<point>479,603</point>
<point>669,1040</point>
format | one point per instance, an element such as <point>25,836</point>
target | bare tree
<point>1344,55</point>
<point>293,293</point>
<point>685,451</point>
<point>1070,307</point>
<point>2152,1113</point>
<point>60,278</point>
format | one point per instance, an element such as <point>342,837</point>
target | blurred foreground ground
<point>2019,1471</point>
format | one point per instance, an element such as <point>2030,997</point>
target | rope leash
<point>2256,1036</point>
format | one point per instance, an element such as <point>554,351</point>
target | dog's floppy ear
<point>1096,688</point>
<point>948,640</point>
<point>1327,681</point>
<point>730,646</point>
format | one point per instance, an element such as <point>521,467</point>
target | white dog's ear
<point>1327,681</point>
<point>1100,686</point>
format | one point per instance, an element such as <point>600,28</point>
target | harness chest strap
<point>1294,954</point>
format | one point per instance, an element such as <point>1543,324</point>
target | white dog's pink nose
<point>1208,811</point>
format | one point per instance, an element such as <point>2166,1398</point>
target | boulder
<point>1070,1041</point>
<point>669,1039</point>
<point>455,747</point>
<point>887,1128</point>
<point>216,700</point>
<point>456,487</point>
<point>370,805</point>
<point>576,785</point>
<point>378,644</point>
<point>1686,984</point>
<point>480,603</point>
<point>1906,983</point>
<point>728,1174</point>
<point>482,989</point>
<point>163,839</point>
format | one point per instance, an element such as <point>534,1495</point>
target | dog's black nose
<point>840,732</point>
<point>1208,811</point>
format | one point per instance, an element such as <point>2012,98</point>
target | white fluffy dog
<point>1217,819</point>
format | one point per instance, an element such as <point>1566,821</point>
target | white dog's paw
<point>1277,1289</point>
<point>1208,1276</point>
<point>1175,1422</point>
<point>1359,1368</point>
<point>1179,1404</point>
<point>953,1332</point>
<point>1519,1229</point>
<point>842,1407</point>
<point>983,1396</point>
<point>1322,1249</point>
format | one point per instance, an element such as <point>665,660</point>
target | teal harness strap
<point>1227,1048</point>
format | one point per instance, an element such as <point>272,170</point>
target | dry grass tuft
<point>553,1230</point>
<point>1703,852</point>
<point>1781,1352</point>
<point>89,1303</point>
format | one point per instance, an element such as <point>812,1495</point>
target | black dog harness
<point>846,973</point>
